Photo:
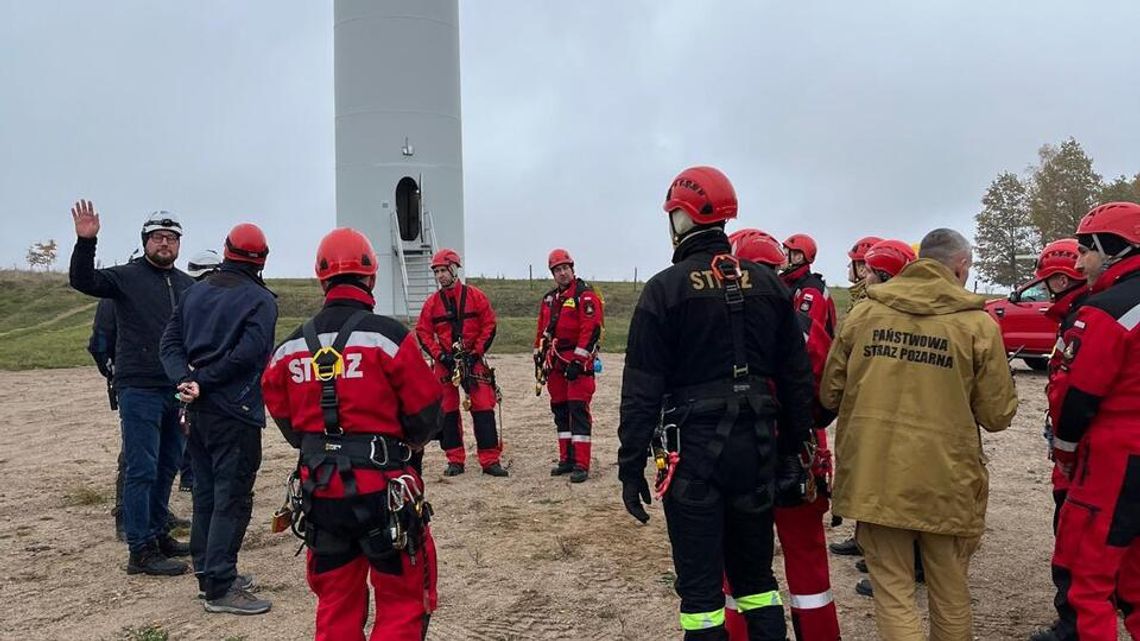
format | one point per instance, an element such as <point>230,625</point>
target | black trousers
<point>226,455</point>
<point>723,526</point>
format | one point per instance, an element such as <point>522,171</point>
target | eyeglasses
<point>164,237</point>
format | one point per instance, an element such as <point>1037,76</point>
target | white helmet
<point>203,263</point>
<point>161,220</point>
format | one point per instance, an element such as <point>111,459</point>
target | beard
<point>162,257</point>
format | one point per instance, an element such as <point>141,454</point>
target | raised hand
<point>86,220</point>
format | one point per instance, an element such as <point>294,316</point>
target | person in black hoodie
<point>145,292</point>
<point>716,350</point>
<point>215,348</point>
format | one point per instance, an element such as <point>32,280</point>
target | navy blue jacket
<point>103,337</point>
<point>221,337</point>
<point>144,298</point>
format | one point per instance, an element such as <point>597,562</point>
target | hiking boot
<point>1052,633</point>
<point>579,475</point>
<point>176,522</point>
<point>863,587</point>
<point>242,582</point>
<point>150,561</point>
<point>563,467</point>
<point>495,469</point>
<point>846,548</point>
<point>861,565</point>
<point>453,469</point>
<point>172,547</point>
<point>238,601</point>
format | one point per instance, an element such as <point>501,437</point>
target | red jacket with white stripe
<point>438,317</point>
<point>1099,379</point>
<point>386,387</point>
<point>580,320</point>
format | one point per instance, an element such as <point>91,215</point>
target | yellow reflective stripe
<point>761,600</point>
<point>702,620</point>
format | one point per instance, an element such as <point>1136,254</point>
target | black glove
<point>447,360</point>
<point>791,481</point>
<point>573,370</point>
<point>633,494</point>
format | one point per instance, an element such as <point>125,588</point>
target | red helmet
<point>803,243</point>
<point>758,247</point>
<point>861,246</point>
<point>446,258</point>
<point>345,251</point>
<point>1059,257</point>
<point>246,243</point>
<point>889,256</point>
<point>559,257</point>
<point>1120,219</point>
<point>704,193</point>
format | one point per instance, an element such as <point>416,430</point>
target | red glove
<point>1064,457</point>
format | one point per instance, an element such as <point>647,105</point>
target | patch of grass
<point>143,633</point>
<point>84,495</point>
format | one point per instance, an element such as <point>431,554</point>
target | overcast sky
<point>837,119</point>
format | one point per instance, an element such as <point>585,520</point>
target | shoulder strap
<point>328,365</point>
<point>726,269</point>
<point>456,312</point>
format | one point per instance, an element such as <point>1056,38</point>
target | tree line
<point>1020,213</point>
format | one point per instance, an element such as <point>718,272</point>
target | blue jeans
<point>152,449</point>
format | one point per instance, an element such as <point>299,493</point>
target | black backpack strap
<point>726,269</point>
<point>328,365</point>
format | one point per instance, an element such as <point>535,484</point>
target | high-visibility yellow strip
<point>702,620</point>
<point>761,600</point>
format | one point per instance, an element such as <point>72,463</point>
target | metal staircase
<point>415,264</point>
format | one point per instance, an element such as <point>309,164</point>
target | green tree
<point>1005,231</point>
<point>1121,190</point>
<point>1062,190</point>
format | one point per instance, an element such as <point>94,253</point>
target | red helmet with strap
<point>704,193</point>
<point>345,251</point>
<point>559,257</point>
<point>889,256</point>
<point>1059,257</point>
<point>757,246</point>
<point>246,243</point>
<point>1119,219</point>
<point>859,249</point>
<point>446,258</point>
<point>802,243</point>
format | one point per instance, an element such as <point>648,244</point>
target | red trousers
<point>1096,562</point>
<point>404,601</point>
<point>804,544</point>
<point>570,404</point>
<point>482,397</point>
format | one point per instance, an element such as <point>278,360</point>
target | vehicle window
<point>1035,293</point>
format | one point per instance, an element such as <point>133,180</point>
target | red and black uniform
<point>573,318</point>
<point>1064,313</point>
<point>810,296</point>
<point>800,529</point>
<point>353,450</point>
<point>1095,405</point>
<point>462,311</point>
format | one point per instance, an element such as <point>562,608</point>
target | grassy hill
<point>45,324</point>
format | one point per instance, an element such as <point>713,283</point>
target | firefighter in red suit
<point>809,291</point>
<point>351,390</point>
<point>456,328</point>
<point>1094,404</point>
<point>800,528</point>
<point>570,323</point>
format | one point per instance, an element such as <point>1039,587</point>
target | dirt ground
<point>530,557</point>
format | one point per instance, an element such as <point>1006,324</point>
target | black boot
<point>150,561</point>
<point>579,475</point>
<point>171,547</point>
<point>1048,634</point>
<point>495,469</point>
<point>863,588</point>
<point>563,467</point>
<point>861,565</point>
<point>453,469</point>
<point>846,548</point>
<point>176,522</point>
